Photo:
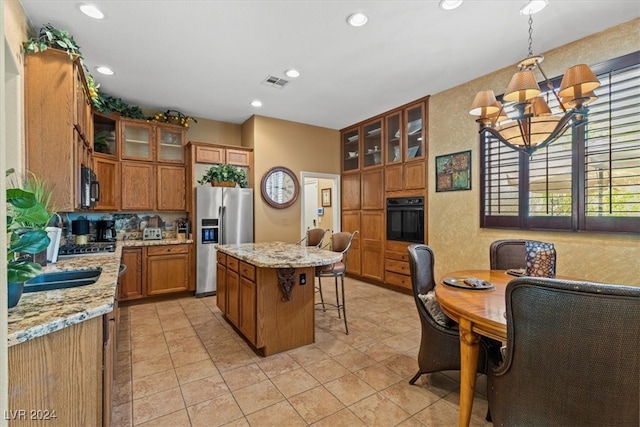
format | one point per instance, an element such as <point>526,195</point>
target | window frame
<point>578,220</point>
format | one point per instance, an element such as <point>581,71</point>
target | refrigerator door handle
<point>221,224</point>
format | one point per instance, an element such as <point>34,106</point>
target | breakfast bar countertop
<point>280,255</point>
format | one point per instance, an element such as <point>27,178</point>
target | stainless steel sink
<point>62,280</point>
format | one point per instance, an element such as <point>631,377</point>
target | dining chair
<point>313,237</point>
<point>571,357</point>
<point>508,254</point>
<point>340,242</point>
<point>439,344</point>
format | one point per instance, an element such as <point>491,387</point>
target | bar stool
<point>340,242</point>
<point>313,237</point>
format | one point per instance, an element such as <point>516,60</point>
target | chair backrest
<point>572,355</point>
<point>508,254</point>
<point>341,242</point>
<point>421,262</point>
<point>315,236</point>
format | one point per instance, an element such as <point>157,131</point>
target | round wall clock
<point>280,187</point>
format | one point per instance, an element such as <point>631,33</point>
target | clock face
<point>280,187</point>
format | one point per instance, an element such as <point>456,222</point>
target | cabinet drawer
<point>397,279</point>
<point>233,264</point>
<point>400,256</point>
<point>248,271</point>
<point>221,258</point>
<point>396,266</point>
<point>168,249</point>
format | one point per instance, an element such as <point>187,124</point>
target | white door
<point>310,203</point>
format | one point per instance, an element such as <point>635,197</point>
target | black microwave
<point>89,188</point>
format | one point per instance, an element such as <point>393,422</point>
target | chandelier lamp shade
<point>525,122</point>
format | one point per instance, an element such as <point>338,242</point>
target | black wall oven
<point>405,219</point>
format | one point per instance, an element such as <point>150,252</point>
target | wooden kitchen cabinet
<point>107,170</point>
<point>372,189</point>
<point>221,281</point>
<point>61,371</point>
<point>209,154</point>
<point>138,186</point>
<point>351,223</point>
<point>248,301</point>
<point>384,156</point>
<point>351,191</point>
<point>170,143</point>
<point>171,188</point>
<point>217,154</point>
<point>167,269</point>
<point>397,272</point>
<point>137,140</point>
<point>58,135</point>
<point>131,282</point>
<point>233,291</point>
<point>109,362</point>
<point>372,244</point>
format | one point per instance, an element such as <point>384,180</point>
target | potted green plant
<point>52,37</point>
<point>217,175</point>
<point>27,218</point>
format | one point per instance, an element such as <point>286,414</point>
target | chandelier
<point>525,121</point>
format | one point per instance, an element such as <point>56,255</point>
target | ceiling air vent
<point>274,81</point>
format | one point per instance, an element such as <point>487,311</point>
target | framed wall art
<point>326,197</point>
<point>453,171</point>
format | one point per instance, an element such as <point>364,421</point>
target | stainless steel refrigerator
<point>223,216</point>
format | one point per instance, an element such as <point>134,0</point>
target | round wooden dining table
<point>478,312</point>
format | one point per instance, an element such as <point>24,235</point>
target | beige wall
<point>296,146</point>
<point>454,223</point>
<point>215,132</point>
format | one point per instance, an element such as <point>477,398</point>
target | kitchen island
<point>267,291</point>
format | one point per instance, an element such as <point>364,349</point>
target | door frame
<point>335,199</point>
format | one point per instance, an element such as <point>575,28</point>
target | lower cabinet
<point>396,263</point>
<point>221,281</point>
<point>57,378</point>
<point>233,290</point>
<point>130,283</point>
<point>155,270</point>
<point>372,244</point>
<point>248,301</point>
<point>110,327</point>
<point>167,269</point>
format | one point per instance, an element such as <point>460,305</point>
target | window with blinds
<point>587,180</point>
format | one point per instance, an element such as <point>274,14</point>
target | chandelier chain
<point>530,35</point>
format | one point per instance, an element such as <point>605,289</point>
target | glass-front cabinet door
<point>350,149</point>
<point>393,138</point>
<point>415,132</point>
<point>137,141</point>
<point>372,144</point>
<point>170,145</point>
<point>104,135</point>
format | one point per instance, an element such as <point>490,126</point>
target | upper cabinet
<point>393,144</point>
<point>372,144</point>
<point>58,127</point>
<point>351,149</point>
<point>150,141</point>
<point>170,144</point>
<point>415,131</point>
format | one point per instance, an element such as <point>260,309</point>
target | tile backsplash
<point>129,226</point>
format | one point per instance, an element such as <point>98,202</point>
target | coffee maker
<point>106,230</point>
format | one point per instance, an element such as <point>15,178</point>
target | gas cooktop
<point>88,249</point>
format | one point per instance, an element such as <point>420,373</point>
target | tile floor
<point>181,364</point>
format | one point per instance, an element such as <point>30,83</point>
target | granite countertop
<point>129,243</point>
<point>280,255</point>
<point>40,313</point>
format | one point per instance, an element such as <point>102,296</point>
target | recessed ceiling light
<point>256,103</point>
<point>357,19</point>
<point>450,4</point>
<point>91,11</point>
<point>104,70</point>
<point>533,6</point>
<point>293,73</point>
